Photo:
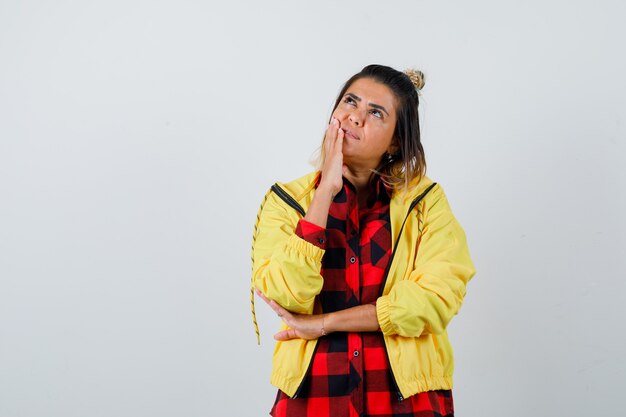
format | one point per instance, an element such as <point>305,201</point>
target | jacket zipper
<point>382,288</point>
<point>393,253</point>
<point>288,199</point>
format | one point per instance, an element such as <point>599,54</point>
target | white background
<point>137,139</point>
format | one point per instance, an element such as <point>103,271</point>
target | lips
<point>350,134</point>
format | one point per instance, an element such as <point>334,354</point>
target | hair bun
<point>417,77</point>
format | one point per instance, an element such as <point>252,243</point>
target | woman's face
<point>367,114</point>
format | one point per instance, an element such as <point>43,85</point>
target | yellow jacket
<point>424,289</point>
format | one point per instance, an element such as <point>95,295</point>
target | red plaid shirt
<point>350,375</point>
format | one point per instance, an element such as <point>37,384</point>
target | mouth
<point>348,133</point>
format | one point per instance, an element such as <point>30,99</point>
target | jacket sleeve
<point>434,291</point>
<point>285,267</point>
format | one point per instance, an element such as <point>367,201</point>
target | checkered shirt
<point>350,375</point>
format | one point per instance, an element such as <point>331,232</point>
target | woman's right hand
<point>333,167</point>
<point>332,171</point>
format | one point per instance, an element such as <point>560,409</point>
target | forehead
<point>374,92</point>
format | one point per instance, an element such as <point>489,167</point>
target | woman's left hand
<point>302,326</point>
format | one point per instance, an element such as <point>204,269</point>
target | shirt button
<point>352,260</point>
<point>321,240</point>
<point>355,353</point>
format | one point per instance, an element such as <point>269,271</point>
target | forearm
<point>318,209</point>
<point>307,326</point>
<point>355,319</point>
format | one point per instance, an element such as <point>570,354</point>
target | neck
<point>359,178</point>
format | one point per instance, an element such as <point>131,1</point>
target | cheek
<point>338,113</point>
<point>384,136</point>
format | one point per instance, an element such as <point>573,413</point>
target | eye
<point>377,113</point>
<point>349,100</point>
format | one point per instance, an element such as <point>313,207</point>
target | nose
<point>355,117</point>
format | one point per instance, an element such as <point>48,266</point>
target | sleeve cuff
<point>312,233</point>
<point>305,248</point>
<point>382,313</point>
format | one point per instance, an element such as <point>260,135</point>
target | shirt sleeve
<point>312,233</point>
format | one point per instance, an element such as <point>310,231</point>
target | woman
<point>365,264</point>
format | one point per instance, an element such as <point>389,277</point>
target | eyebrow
<point>376,106</point>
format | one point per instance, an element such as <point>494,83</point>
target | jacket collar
<point>301,189</point>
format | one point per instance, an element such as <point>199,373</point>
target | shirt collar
<point>378,189</point>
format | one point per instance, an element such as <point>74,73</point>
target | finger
<point>335,127</point>
<point>339,141</point>
<point>278,309</point>
<point>331,135</point>
<point>282,313</point>
<point>285,335</point>
<point>262,296</point>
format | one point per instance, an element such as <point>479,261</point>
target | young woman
<point>365,264</point>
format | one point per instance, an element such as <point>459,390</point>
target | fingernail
<point>334,121</point>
